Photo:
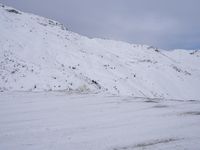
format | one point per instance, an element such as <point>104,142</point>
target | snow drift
<point>39,54</point>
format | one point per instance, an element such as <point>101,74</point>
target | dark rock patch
<point>13,11</point>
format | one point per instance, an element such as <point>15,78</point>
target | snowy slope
<point>39,54</point>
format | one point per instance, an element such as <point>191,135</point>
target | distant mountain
<point>40,54</point>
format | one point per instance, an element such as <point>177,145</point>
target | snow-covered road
<point>56,121</point>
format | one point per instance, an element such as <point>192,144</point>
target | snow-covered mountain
<point>39,54</point>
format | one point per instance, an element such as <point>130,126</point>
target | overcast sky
<point>167,24</point>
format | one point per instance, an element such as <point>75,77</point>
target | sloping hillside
<point>39,54</point>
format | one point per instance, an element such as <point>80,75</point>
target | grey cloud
<point>167,24</point>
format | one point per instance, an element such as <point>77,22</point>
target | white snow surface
<point>39,54</point>
<point>58,121</point>
<point>63,91</point>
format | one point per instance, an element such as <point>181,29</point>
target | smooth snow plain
<point>56,121</point>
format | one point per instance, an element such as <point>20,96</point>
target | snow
<point>60,90</point>
<point>39,54</point>
<point>55,120</point>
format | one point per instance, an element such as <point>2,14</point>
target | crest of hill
<point>40,54</point>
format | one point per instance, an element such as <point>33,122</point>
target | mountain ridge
<point>40,54</point>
